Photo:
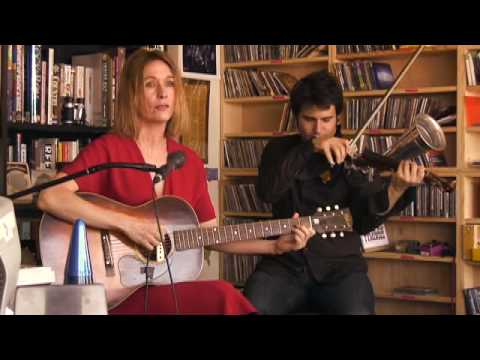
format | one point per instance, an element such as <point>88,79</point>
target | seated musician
<point>151,113</point>
<point>301,173</point>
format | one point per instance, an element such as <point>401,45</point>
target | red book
<point>472,110</point>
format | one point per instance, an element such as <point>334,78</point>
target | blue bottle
<point>78,268</point>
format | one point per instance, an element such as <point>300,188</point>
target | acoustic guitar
<point>120,265</point>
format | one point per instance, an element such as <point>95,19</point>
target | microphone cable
<point>156,180</point>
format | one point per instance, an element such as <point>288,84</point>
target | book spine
<point>36,83</point>
<point>23,153</point>
<point>104,95</point>
<point>28,83</point>
<point>48,153</point>
<point>19,85</point>
<point>56,94</point>
<point>79,85</point>
<point>88,87</point>
<point>10,153</point>
<point>18,149</point>
<point>9,81</point>
<point>13,103</point>
<point>50,85</point>
<point>43,115</point>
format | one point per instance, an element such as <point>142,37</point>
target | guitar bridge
<point>107,254</point>
<point>149,271</point>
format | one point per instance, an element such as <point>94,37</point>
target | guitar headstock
<point>332,220</point>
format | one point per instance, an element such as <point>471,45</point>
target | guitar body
<point>125,272</point>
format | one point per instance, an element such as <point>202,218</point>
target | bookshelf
<point>30,130</point>
<point>438,72</point>
<point>468,272</point>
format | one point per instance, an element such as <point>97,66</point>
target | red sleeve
<point>93,154</point>
<point>203,204</point>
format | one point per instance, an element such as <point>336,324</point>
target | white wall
<point>211,268</point>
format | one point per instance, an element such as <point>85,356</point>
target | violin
<point>380,162</point>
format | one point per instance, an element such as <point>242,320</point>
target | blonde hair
<point>130,95</point>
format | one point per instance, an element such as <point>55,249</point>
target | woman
<point>151,113</point>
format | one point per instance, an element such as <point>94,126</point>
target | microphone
<point>175,161</point>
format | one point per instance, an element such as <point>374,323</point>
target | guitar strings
<point>156,180</point>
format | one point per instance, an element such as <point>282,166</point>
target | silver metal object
<point>61,300</point>
<point>423,136</point>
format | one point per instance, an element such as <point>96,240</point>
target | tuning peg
<point>319,209</point>
<point>336,207</point>
<point>324,236</point>
<point>333,235</point>
<point>328,208</point>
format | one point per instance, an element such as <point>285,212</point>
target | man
<point>301,173</point>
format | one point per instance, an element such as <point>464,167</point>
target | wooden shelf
<point>63,129</point>
<point>475,88</point>
<point>444,171</point>
<point>247,214</point>
<point>422,219</point>
<point>386,255</point>
<point>409,91</point>
<point>471,171</point>
<point>257,100</point>
<point>417,298</point>
<point>278,62</point>
<point>259,134</point>
<point>239,172</point>
<point>385,132</point>
<point>473,129</point>
<point>472,221</point>
<point>471,262</point>
<point>396,53</point>
<point>471,47</point>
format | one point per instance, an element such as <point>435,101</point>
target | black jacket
<point>290,178</point>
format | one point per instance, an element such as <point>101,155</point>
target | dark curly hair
<point>320,89</point>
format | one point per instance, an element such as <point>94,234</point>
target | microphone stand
<point>91,170</point>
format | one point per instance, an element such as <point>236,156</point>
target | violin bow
<point>387,95</point>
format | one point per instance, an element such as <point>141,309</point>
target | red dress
<point>132,187</point>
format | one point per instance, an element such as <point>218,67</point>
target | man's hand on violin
<point>408,174</point>
<point>335,149</point>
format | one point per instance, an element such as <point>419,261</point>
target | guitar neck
<point>199,237</point>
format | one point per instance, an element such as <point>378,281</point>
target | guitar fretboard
<point>195,238</point>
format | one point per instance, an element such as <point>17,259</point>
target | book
<point>383,75</point>
<point>472,301</point>
<point>99,90</point>
<point>436,158</point>
<point>472,110</point>
<point>45,150</point>
<point>375,240</point>
<point>471,240</point>
<point>415,290</point>
<point>35,276</point>
<point>88,88</point>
